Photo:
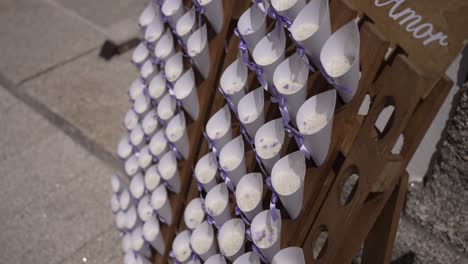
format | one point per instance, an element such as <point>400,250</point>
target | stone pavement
<point>61,108</point>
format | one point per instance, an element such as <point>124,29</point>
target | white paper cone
<point>127,242</point>
<point>152,234</point>
<point>344,43</point>
<point>290,80</point>
<point>181,246</point>
<point>176,132</point>
<point>144,208</point>
<point>120,220</point>
<point>117,184</point>
<point>194,214</point>
<point>115,203</point>
<point>248,258</point>
<point>233,80</point>
<point>249,194</point>
<point>205,171</point>
<point>202,241</point>
<point>231,238</point>
<point>266,233</point>
<point>157,87</point>
<point>142,105</point>
<point>269,140</point>
<point>154,31</point>
<point>287,178</point>
<point>137,258</point>
<point>218,127</point>
<point>125,148</point>
<point>174,67</point>
<point>147,16</point>
<point>167,168</point>
<point>250,110</point>
<point>145,158</point>
<point>137,137</point>
<point>269,52</point>
<point>137,186</point>
<point>138,243</point>
<point>150,124</point>
<point>131,119</point>
<point>197,48</point>
<point>216,259</point>
<point>131,166</point>
<point>185,90</point>
<point>288,9</point>
<point>214,13</point>
<point>166,107</point>
<point>140,54</point>
<point>136,88</point>
<point>141,259</point>
<point>292,255</point>
<point>160,203</point>
<point>158,144</point>
<point>173,9</point>
<point>315,14</point>
<point>232,159</point>
<point>152,178</point>
<point>186,24</point>
<point>217,205</point>
<point>165,46</point>
<point>317,112</point>
<point>148,70</point>
<point>194,261</point>
<point>131,218</point>
<point>125,199</point>
<point>252,26</point>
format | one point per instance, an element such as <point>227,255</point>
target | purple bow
<point>200,9</point>
<point>330,80</point>
<point>276,16</point>
<point>148,45</point>
<point>157,62</point>
<point>302,54</point>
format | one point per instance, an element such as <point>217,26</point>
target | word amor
<point>413,22</point>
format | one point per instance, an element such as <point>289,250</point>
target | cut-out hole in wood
<point>365,105</point>
<point>396,150</point>
<point>338,162</point>
<point>320,244</point>
<point>349,188</point>
<point>385,119</point>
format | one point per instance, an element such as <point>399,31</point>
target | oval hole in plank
<point>385,119</point>
<point>349,188</point>
<point>320,243</point>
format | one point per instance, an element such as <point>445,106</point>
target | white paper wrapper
<point>290,79</point>
<point>137,137</point>
<point>138,243</point>
<point>216,203</point>
<point>287,178</point>
<point>125,199</point>
<point>231,238</point>
<point>120,220</point>
<point>125,148</point>
<point>232,159</point>
<point>252,26</point>
<point>194,214</point>
<point>216,259</point>
<point>166,107</point>
<point>152,178</point>
<point>148,71</point>
<point>131,119</point>
<point>269,52</point>
<point>218,127</point>
<point>131,166</point>
<point>340,59</point>
<point>312,28</point>
<point>167,168</point>
<point>205,171</point>
<point>150,124</point>
<point>142,105</point>
<point>145,158</point>
<point>144,208</point>
<point>154,31</point>
<point>197,48</point>
<point>137,186</point>
<point>250,110</point>
<point>117,184</point>
<point>165,46</point>
<point>185,90</point>
<point>269,140</point>
<point>174,67</point>
<point>192,261</point>
<point>248,258</point>
<point>181,246</point>
<point>147,16</point>
<point>202,241</point>
<point>158,144</point>
<point>293,255</point>
<point>214,13</point>
<point>151,233</point>
<point>176,132</point>
<point>315,122</point>
<point>266,233</point>
<point>157,87</point>
<point>127,242</point>
<point>131,218</point>
<point>160,203</point>
<point>186,25</point>
<point>115,203</point>
<point>173,9</point>
<point>140,54</point>
<point>136,88</point>
<point>234,79</point>
<point>288,8</point>
<point>249,194</point>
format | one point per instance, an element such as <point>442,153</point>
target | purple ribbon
<point>229,101</point>
<point>239,212</point>
<point>170,89</point>
<point>209,218</point>
<point>137,65</point>
<point>224,176</point>
<point>330,80</point>
<point>211,144</point>
<point>157,62</point>
<point>174,149</point>
<point>302,54</point>
<point>271,11</point>
<point>155,213</point>
<point>254,247</point>
<point>260,163</point>
<point>172,255</point>
<point>273,200</point>
<point>149,45</point>
<point>200,9</point>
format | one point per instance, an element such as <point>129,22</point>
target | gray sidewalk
<point>61,108</point>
